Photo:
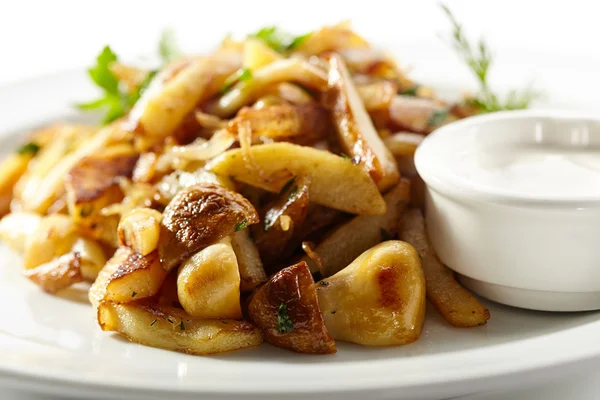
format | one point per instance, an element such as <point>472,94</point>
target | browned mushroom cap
<point>286,310</point>
<point>199,216</point>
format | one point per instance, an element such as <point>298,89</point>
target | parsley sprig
<point>116,101</point>
<point>479,59</point>
<point>284,322</point>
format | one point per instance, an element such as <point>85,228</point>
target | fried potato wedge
<point>302,122</point>
<point>335,182</point>
<point>139,229</point>
<point>457,305</point>
<point>331,38</point>
<point>286,70</point>
<point>208,283</point>
<point>355,128</point>
<point>136,278</point>
<point>166,102</point>
<point>252,272</point>
<point>281,219</point>
<point>11,169</point>
<point>417,114</point>
<point>286,310</point>
<point>17,227</point>
<point>199,216</point>
<point>403,144</point>
<point>54,237</point>
<point>379,299</point>
<point>172,329</point>
<point>92,258</point>
<point>97,291</point>
<point>257,54</point>
<point>57,274</point>
<point>361,233</point>
<point>377,95</point>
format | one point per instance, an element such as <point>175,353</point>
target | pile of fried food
<point>265,191</point>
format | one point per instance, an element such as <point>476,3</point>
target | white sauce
<point>541,170</point>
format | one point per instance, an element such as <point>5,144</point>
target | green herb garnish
<point>437,117</point>
<point>385,235</point>
<point>241,225</point>
<point>287,186</point>
<point>153,322</point>
<point>279,40</point>
<point>284,322</point>
<point>410,92</point>
<point>345,156</point>
<point>29,148</point>
<point>479,59</point>
<point>86,211</point>
<point>133,294</point>
<point>323,283</point>
<point>181,326</point>
<point>169,319</point>
<point>168,50</point>
<point>241,75</point>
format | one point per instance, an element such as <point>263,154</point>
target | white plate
<point>52,344</point>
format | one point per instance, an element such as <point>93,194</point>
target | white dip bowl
<point>513,206</point>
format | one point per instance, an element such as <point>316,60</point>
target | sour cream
<point>547,171</point>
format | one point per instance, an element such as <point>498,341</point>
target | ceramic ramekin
<point>528,250</point>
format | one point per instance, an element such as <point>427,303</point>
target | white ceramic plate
<point>52,344</point>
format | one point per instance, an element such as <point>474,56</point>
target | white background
<point>554,44</point>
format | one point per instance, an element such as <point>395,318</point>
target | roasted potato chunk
<point>419,115</point>
<point>403,143</point>
<point>199,216</point>
<point>92,258</point>
<point>172,329</point>
<point>379,299</point>
<point>54,236</point>
<point>281,220</point>
<point>335,182</point>
<point>377,95</point>
<point>97,291</point>
<point>173,183</point>
<point>355,128</point>
<point>57,274</point>
<point>139,230</point>
<point>17,227</point>
<point>286,310</point>
<point>456,304</point>
<point>11,169</point>
<point>208,283</point>
<point>349,240</point>
<point>304,123</point>
<point>252,272</point>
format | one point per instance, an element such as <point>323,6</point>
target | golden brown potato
<point>199,216</point>
<point>97,291</point>
<point>136,278</point>
<point>417,114</point>
<point>302,122</point>
<point>93,182</point>
<point>377,95</point>
<point>286,310</point>
<point>454,302</point>
<point>139,230</point>
<point>280,219</point>
<point>17,227</point>
<point>349,240</point>
<point>379,299</point>
<point>54,236</point>
<point>11,169</point>
<point>331,38</point>
<point>208,283</point>
<point>172,329</point>
<point>92,258</point>
<point>403,143</point>
<point>171,184</point>
<point>286,70</point>
<point>166,102</point>
<point>252,272</point>
<point>355,128</point>
<point>57,274</point>
<point>335,182</point>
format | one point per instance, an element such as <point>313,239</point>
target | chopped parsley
<point>323,283</point>
<point>284,322</point>
<point>479,59</point>
<point>345,156</point>
<point>437,117</point>
<point>153,322</point>
<point>29,148</point>
<point>181,326</point>
<point>241,225</point>
<point>287,186</point>
<point>133,294</point>
<point>410,92</point>
<point>280,40</point>
<point>241,75</point>
<point>385,235</point>
<point>86,211</point>
<point>169,319</point>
